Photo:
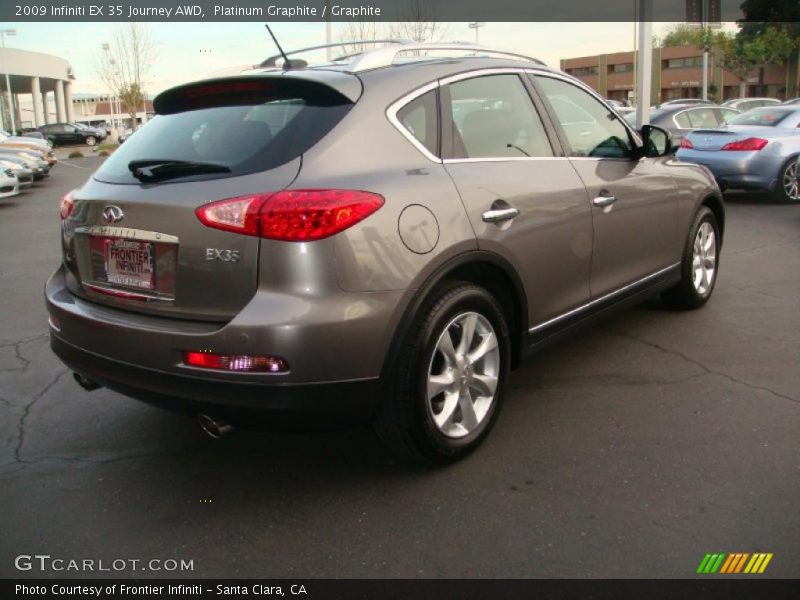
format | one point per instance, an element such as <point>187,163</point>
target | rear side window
<point>494,117</point>
<point>244,130</point>
<point>682,119</point>
<point>703,117</point>
<point>420,118</point>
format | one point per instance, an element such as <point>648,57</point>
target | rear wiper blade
<point>152,169</point>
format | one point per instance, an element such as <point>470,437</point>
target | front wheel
<point>449,379</point>
<point>788,188</point>
<point>699,266</point>
<point>91,140</point>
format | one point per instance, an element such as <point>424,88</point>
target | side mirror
<point>657,141</point>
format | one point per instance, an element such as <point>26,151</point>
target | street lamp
<point>111,62</point>
<point>3,34</point>
<point>476,25</point>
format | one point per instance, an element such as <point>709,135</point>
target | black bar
<point>705,587</point>
<point>369,10</point>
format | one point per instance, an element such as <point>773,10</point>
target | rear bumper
<point>738,170</point>
<point>335,352</point>
<point>293,407</point>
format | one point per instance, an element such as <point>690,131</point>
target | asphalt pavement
<point>631,450</point>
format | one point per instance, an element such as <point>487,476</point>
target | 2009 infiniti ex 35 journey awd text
<point>375,240</point>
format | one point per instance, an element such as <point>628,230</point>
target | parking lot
<point>631,450</point>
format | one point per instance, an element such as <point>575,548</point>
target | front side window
<point>591,128</point>
<point>420,118</point>
<point>494,117</point>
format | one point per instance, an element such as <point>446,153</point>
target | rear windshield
<point>246,133</point>
<point>762,117</point>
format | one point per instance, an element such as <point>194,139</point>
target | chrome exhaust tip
<point>213,427</point>
<point>86,383</point>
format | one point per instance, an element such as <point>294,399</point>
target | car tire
<point>699,266</point>
<point>788,187</point>
<point>439,409</point>
<point>91,140</point>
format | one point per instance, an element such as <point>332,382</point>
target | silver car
<point>757,150</point>
<point>376,241</point>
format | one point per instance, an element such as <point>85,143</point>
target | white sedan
<point>9,185</point>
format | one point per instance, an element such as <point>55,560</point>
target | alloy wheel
<point>791,181</point>
<point>704,258</point>
<point>463,375</point>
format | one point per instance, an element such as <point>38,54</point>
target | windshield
<point>761,117</point>
<point>244,138</point>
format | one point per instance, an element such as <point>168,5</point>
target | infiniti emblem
<point>113,214</point>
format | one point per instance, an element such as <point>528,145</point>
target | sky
<point>190,51</point>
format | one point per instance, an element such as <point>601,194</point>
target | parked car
<point>29,159</point>
<point>756,150</point>
<point>61,134</point>
<point>23,174</point>
<point>679,120</point>
<point>125,135</point>
<point>317,248</point>
<point>684,102</point>
<point>9,185</point>
<point>13,143</point>
<point>792,101</point>
<point>33,134</point>
<point>745,104</point>
<point>99,131</point>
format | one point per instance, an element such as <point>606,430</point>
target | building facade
<point>40,89</point>
<point>95,109</point>
<point>678,73</point>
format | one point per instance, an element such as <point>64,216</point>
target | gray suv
<point>378,240</point>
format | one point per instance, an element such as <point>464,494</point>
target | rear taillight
<point>686,143</point>
<point>65,206</point>
<point>236,362</point>
<point>291,215</point>
<point>747,144</point>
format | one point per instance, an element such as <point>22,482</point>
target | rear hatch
<point>133,240</point>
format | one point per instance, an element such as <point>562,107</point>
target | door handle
<point>604,199</point>
<point>498,215</point>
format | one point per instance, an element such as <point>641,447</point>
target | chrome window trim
<point>397,105</point>
<point>607,296</point>
<point>451,161</point>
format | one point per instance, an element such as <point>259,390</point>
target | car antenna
<point>287,64</point>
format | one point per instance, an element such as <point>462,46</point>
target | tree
<point>418,23</point>
<point>125,63</point>
<point>742,53</point>
<point>683,34</point>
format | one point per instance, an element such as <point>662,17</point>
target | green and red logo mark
<point>737,562</point>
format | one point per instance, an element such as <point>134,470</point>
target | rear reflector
<point>686,143</point>
<point>747,144</point>
<point>291,215</point>
<point>236,362</point>
<point>65,206</point>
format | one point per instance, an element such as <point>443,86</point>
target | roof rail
<point>384,57</point>
<point>272,60</point>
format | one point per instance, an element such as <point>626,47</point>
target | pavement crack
<point>26,411</point>
<point>706,369</point>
